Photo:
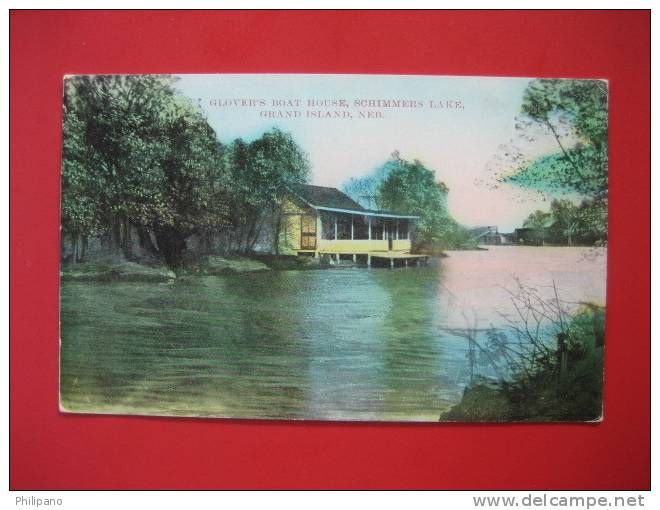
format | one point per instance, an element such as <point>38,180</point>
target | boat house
<point>320,221</point>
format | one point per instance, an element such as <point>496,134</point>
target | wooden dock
<point>409,259</point>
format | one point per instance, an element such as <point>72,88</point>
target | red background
<point>52,451</point>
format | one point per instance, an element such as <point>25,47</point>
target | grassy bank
<point>567,385</point>
<point>216,265</point>
<point>116,269</point>
<point>288,262</point>
<point>119,269</point>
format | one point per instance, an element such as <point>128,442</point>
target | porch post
<point>352,228</point>
<point>319,233</point>
<point>397,230</point>
<point>369,218</point>
<point>335,227</point>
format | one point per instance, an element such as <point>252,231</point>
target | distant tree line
<point>140,159</point>
<point>569,224</point>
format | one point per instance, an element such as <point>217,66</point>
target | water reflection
<point>413,351</point>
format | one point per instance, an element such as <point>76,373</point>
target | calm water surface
<point>354,343</point>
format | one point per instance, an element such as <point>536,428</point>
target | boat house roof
<point>331,199</point>
<point>320,196</point>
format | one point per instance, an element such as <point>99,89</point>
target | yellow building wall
<point>360,245</point>
<point>401,245</point>
<point>289,242</point>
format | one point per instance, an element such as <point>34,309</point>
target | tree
<point>564,214</point>
<point>364,190</point>
<point>538,221</point>
<point>412,188</point>
<point>195,181</point>
<point>80,190</point>
<point>574,112</point>
<point>111,124</point>
<point>591,223</point>
<point>137,155</point>
<point>261,173</point>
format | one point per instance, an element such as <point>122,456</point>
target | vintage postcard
<point>334,247</point>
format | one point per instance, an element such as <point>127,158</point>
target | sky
<point>457,142</point>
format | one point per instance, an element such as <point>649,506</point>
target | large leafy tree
<point>138,155</point>
<point>81,189</point>
<point>195,181</point>
<point>261,173</point>
<point>411,187</point>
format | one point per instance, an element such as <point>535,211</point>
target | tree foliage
<point>139,157</point>
<point>136,154</point>
<point>412,188</point>
<point>575,113</point>
<point>568,223</point>
<point>364,190</point>
<point>260,173</point>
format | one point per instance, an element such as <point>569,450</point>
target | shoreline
<point>110,269</point>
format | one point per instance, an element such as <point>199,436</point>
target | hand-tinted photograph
<point>334,247</point>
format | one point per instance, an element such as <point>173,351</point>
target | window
<point>390,229</point>
<point>360,227</point>
<point>344,226</point>
<point>377,228</point>
<point>403,229</point>
<point>328,225</point>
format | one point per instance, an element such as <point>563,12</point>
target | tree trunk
<point>255,236</point>
<point>74,242</point>
<point>84,245</point>
<point>249,236</point>
<point>172,245</point>
<point>277,226</point>
<point>126,240</point>
<point>115,236</point>
<point>207,241</point>
<point>146,243</point>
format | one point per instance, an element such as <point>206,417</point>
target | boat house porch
<point>326,222</point>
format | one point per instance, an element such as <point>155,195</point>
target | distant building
<point>547,234</point>
<point>490,235</point>
<point>535,236</point>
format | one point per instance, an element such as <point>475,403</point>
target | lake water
<point>345,343</point>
